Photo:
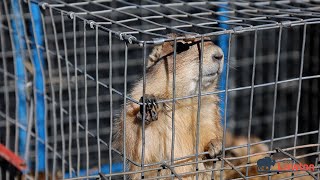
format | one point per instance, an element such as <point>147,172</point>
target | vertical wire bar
<point>39,81</point>
<point>199,105</point>
<point>251,97</point>
<point>61,107</point>
<point>143,107</point>
<point>46,105</point>
<point>300,87</point>
<point>226,107</point>
<point>17,46</point>
<point>97,96</point>
<point>60,100</point>
<point>5,81</point>
<point>173,100</point>
<point>14,64</point>
<point>29,128</point>
<point>76,92</point>
<point>125,107</point>
<point>60,93</point>
<point>33,58</point>
<point>39,111</point>
<point>111,113</point>
<point>86,95</point>
<point>276,88</point>
<point>54,163</point>
<point>69,95</point>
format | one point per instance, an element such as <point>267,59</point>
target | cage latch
<point>127,37</point>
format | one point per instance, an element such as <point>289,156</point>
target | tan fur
<point>158,134</point>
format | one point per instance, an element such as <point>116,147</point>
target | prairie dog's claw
<point>150,109</point>
<point>214,148</point>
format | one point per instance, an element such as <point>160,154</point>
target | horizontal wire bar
<point>38,139</point>
<point>242,88</point>
<point>117,34</point>
<point>191,96</point>
<point>181,174</point>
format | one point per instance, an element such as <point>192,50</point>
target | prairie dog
<point>158,120</point>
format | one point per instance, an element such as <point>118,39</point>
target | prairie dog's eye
<point>182,47</point>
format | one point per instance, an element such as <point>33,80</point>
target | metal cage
<point>67,68</point>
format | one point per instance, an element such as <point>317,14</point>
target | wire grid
<point>266,38</point>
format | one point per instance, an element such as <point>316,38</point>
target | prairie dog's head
<point>188,53</point>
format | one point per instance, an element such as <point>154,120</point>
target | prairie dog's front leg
<point>151,109</point>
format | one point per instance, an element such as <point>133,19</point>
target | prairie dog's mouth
<point>210,74</point>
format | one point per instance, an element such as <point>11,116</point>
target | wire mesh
<point>94,52</point>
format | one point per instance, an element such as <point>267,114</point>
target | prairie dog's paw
<point>151,108</point>
<point>215,147</point>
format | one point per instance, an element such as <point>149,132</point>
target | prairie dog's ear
<point>168,47</point>
<point>154,55</point>
<point>157,51</point>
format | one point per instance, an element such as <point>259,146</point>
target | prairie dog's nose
<point>217,54</point>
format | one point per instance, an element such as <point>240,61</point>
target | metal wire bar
<point>255,16</point>
<point>110,93</point>
<point>5,81</point>
<point>97,96</point>
<point>295,159</point>
<point>73,5</point>
<point>251,95</point>
<point>12,121</point>
<point>80,125</point>
<point>221,13</point>
<point>260,27</point>
<point>85,98</point>
<point>276,87</point>
<point>173,135</point>
<point>208,170</point>
<point>172,170</point>
<point>257,143</point>
<point>60,100</point>
<point>205,94</point>
<point>125,108</point>
<point>226,106</point>
<point>233,167</point>
<point>69,95</point>
<point>105,19</point>
<point>300,84</point>
<point>61,116</point>
<point>15,71</point>
<point>244,88</point>
<point>30,120</point>
<point>53,105</point>
<point>67,113</point>
<point>146,20</point>
<point>200,51</point>
<point>144,79</point>
<point>261,175</point>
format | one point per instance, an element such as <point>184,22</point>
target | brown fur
<point>158,134</point>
